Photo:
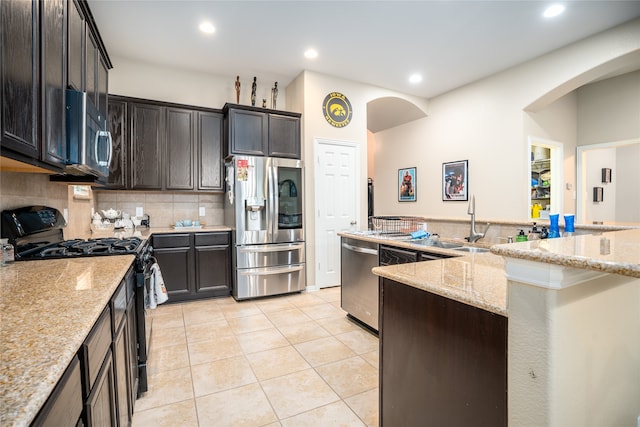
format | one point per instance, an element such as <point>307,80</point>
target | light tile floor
<point>292,360</point>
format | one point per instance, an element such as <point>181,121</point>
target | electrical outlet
<point>201,211</point>
<point>139,211</point>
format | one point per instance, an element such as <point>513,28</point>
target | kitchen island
<point>48,308</point>
<point>573,333</point>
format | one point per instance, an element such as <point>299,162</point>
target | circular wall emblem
<point>337,109</point>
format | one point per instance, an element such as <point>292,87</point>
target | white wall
<point>628,183</point>
<point>609,110</point>
<point>574,353</point>
<point>147,81</point>
<point>485,122</point>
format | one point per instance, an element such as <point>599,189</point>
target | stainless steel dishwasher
<point>359,284</point>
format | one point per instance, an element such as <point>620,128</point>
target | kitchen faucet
<point>474,236</point>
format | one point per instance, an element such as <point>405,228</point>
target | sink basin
<point>436,243</point>
<point>471,249</point>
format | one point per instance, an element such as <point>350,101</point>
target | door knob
<point>353,222</point>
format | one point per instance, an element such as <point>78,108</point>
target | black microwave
<point>89,145</point>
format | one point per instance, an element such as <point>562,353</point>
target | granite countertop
<point>476,279</point>
<point>48,308</point>
<point>615,252</point>
<point>145,233</point>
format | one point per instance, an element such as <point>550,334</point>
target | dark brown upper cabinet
<point>261,132</point>
<point>164,146</point>
<point>118,126</point>
<point>147,124</point>
<point>20,73</point>
<point>42,54</point>
<point>179,149</point>
<point>75,46</point>
<point>54,81</point>
<point>210,130</point>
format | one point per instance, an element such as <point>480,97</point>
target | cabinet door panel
<point>212,270</point>
<point>284,136</point>
<point>20,64</point>
<point>147,134</point>
<point>248,132</point>
<point>64,406</point>
<point>102,86</point>
<point>175,264</point>
<point>117,125</point>
<point>54,81</point>
<point>75,46</point>
<point>210,151</point>
<point>91,64</point>
<point>100,407</point>
<point>120,349</point>
<point>179,149</point>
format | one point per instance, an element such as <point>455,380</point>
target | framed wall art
<point>455,183</point>
<point>407,185</point>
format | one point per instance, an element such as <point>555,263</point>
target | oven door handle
<point>271,271</point>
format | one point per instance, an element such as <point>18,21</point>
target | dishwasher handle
<point>360,249</point>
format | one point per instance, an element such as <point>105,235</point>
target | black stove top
<point>80,248</point>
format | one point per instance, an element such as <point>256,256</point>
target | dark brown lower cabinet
<point>175,257</point>
<point>64,406</point>
<point>194,265</point>
<point>443,363</point>
<point>101,404</point>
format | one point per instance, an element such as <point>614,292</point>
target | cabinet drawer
<point>211,239</point>
<point>392,256</point>
<point>118,307</point>
<point>64,406</point>
<point>96,346</point>
<point>171,240</point>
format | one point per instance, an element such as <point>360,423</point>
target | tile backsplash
<point>165,208</point>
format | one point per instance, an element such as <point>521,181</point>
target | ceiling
<point>451,43</point>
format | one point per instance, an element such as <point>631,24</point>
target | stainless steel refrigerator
<point>264,203</point>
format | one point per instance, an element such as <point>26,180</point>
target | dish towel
<point>157,291</point>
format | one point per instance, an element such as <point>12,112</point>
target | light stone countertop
<point>476,279</point>
<point>482,283</point>
<point>47,309</point>
<point>615,252</point>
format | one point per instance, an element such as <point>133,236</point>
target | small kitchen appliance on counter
<point>36,233</point>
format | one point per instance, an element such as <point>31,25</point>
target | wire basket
<point>396,224</point>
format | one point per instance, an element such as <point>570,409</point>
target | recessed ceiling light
<point>553,10</point>
<point>415,78</point>
<point>311,53</point>
<point>207,28</point>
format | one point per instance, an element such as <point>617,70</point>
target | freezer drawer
<point>258,256</point>
<point>258,282</point>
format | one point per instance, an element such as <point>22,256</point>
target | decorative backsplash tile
<point>165,208</point>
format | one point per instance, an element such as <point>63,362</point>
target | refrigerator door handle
<point>272,178</point>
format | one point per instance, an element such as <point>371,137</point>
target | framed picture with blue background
<point>407,185</point>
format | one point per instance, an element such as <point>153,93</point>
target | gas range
<point>81,248</point>
<point>36,233</point>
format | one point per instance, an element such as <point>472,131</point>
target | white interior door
<point>337,204</point>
